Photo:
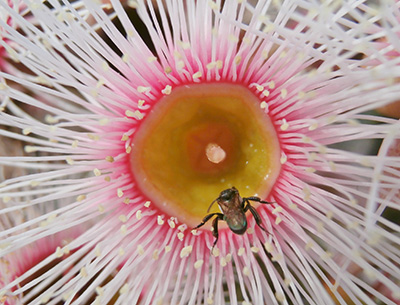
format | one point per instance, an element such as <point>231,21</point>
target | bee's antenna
<point>211,205</point>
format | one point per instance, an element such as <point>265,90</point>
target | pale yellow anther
<point>110,159</point>
<point>126,200</point>
<point>310,170</point>
<point>263,105</point>
<point>124,289</point>
<point>211,65</point>
<point>320,226</point>
<point>215,252</point>
<point>255,249</point>
<point>313,126</point>
<point>241,251</point>
<point>167,248</point>
<point>83,272</point>
<point>59,253</point>
<point>312,157</point>
<point>97,172</point>
<point>265,54</point>
<point>284,125</point>
<point>45,298</point>
<point>182,227</point>
<point>27,130</point>
<point>34,183</point>
<point>51,217</point>
<point>278,220</point>
<point>184,44</point>
<point>213,5</point>
<point>301,95</point>
<point>67,295</point>
<point>143,89</point>
<point>180,64</point>
<point>222,261</point>
<point>123,230</point>
<point>97,251</point>
<point>171,223</point>
<point>284,93</point>
<point>238,59</point>
<point>276,257</point>
<point>326,256</point>
<point>125,58</point>
<point>81,198</point>
<point>105,66</point>
<point>280,297</point>
<point>140,250</point>
<point>147,204</point>
<point>138,214</point>
<point>155,255</point>
<point>271,84</point>
<point>66,250</point>
<point>180,236</point>
<point>283,158</point>
<point>365,162</point>
<point>198,264</point>
<point>246,271</point>
<point>322,149</point>
<point>120,193</point>
<point>104,121</point>
<point>141,103</point>
<point>93,137</point>
<point>283,54</point>
<point>186,251</point>
<point>197,75</point>
<point>151,59</point>
<point>309,245</point>
<point>167,90</point>
<point>233,38</point>
<point>69,160</point>
<point>160,220</point>
<point>259,87</point>
<point>121,251</point>
<point>353,225</point>
<point>3,86</point>
<point>277,210</point>
<point>30,149</point>
<point>74,144</point>
<point>100,290</point>
<point>123,218</point>
<point>266,93</point>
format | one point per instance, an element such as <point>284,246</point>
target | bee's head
<point>228,194</point>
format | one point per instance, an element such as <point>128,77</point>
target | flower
<point>130,134</point>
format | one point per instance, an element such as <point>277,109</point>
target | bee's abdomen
<point>237,223</point>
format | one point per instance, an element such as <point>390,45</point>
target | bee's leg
<point>205,219</point>
<point>258,199</point>
<point>255,214</point>
<point>220,216</point>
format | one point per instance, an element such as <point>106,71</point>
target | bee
<point>233,208</point>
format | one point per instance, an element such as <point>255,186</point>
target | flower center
<point>200,140</point>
